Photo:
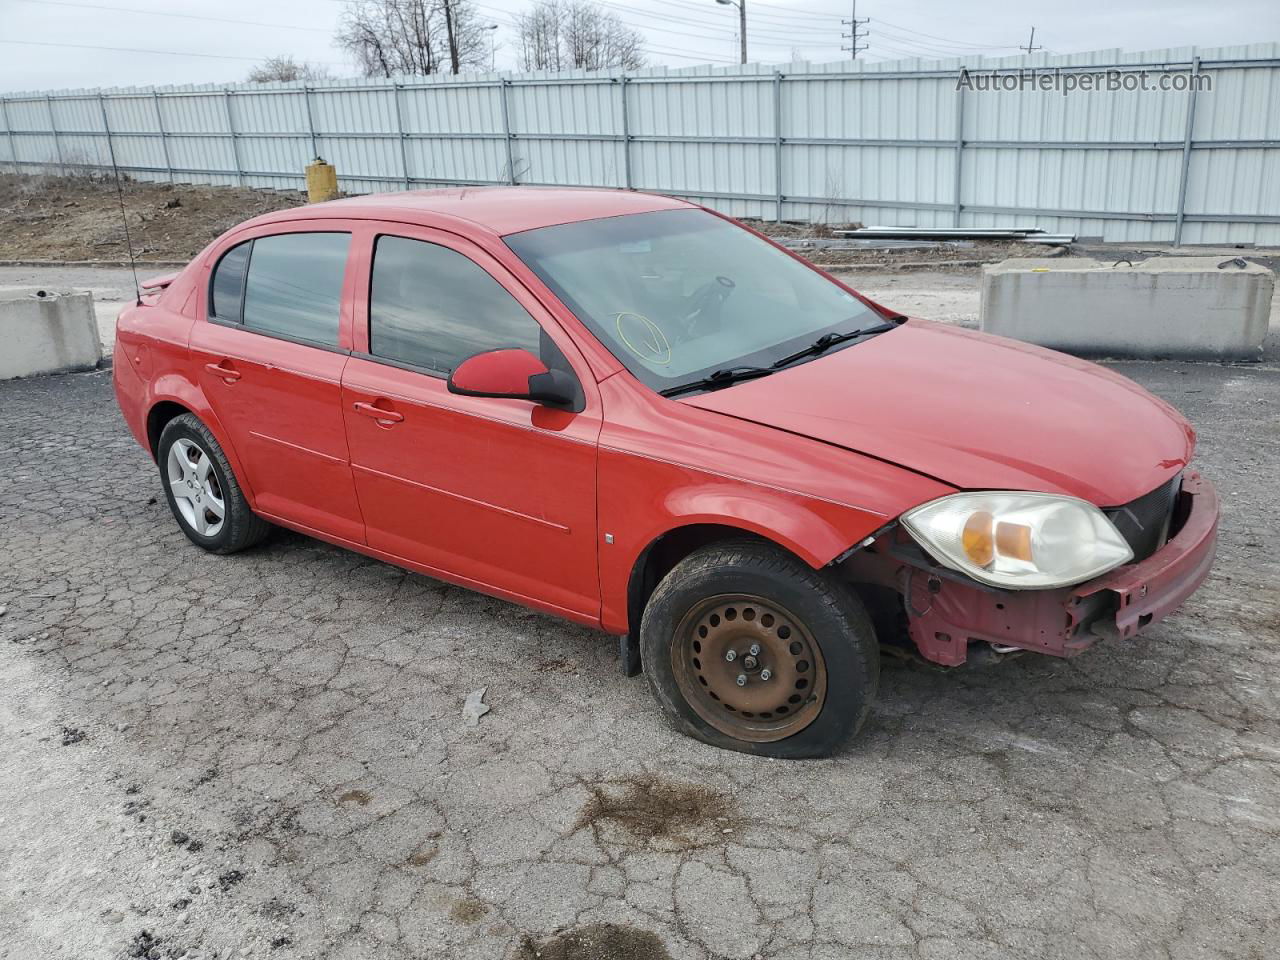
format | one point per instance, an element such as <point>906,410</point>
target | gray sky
<point>34,34</point>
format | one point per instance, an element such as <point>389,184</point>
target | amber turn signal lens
<point>1013,540</point>
<point>977,540</point>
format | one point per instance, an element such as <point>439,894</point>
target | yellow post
<point>322,181</point>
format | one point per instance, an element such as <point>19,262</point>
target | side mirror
<point>513,374</point>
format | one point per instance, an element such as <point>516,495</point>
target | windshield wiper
<point>719,378</point>
<point>729,375</point>
<point>829,340</point>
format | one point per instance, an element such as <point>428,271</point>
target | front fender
<point>641,502</point>
<point>792,521</point>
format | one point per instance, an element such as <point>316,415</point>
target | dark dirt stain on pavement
<point>360,798</point>
<point>598,941</point>
<point>469,910</point>
<point>423,855</point>
<point>649,808</point>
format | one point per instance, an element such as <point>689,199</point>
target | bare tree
<point>539,36</point>
<point>568,34</point>
<point>389,37</point>
<point>285,68</point>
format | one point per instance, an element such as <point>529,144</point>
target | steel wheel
<point>749,667</point>
<point>197,494</point>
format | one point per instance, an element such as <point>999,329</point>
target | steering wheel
<point>705,307</point>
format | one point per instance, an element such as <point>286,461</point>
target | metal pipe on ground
<point>1029,234</point>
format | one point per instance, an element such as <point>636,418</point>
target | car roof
<point>501,210</point>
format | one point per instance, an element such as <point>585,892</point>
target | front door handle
<point>381,414</point>
<point>226,374</point>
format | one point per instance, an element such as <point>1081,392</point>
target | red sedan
<point>637,414</point>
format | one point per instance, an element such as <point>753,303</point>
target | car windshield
<point>677,295</point>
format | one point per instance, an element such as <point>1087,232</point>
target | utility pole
<point>451,29</point>
<point>742,23</point>
<point>1031,47</point>
<point>854,34</point>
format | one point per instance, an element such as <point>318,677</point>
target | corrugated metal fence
<point>903,143</point>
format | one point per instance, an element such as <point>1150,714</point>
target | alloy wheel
<point>195,488</point>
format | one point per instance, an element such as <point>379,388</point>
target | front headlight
<point>1019,541</point>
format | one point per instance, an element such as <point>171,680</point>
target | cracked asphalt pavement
<point>265,755</point>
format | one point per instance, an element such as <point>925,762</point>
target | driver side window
<point>431,307</point>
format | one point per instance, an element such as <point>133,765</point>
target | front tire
<point>749,649</point>
<point>202,490</point>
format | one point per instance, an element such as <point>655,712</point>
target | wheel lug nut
<point>731,655</point>
<point>742,679</point>
<point>766,673</point>
<point>755,650</point>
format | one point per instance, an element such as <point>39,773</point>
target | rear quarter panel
<point>152,363</point>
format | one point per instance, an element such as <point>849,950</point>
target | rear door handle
<point>226,374</point>
<point>381,414</point>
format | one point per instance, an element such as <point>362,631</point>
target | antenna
<point>124,218</point>
<point>1031,47</point>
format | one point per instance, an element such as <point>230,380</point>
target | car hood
<point>975,411</point>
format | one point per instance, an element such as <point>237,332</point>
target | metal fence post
<point>164,137</point>
<point>777,142</point>
<point>8,128</point>
<point>1186,151</point>
<point>626,135</point>
<point>235,142</point>
<point>506,129</point>
<point>311,123</point>
<point>958,207</point>
<point>404,138</point>
<point>53,128</point>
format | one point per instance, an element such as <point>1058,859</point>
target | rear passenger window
<point>294,287</point>
<point>228,283</point>
<point>431,307</point>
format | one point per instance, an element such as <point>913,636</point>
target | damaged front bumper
<point>946,613</point>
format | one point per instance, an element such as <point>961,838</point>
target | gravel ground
<point>265,755</point>
<point>78,218</point>
<point>948,296</point>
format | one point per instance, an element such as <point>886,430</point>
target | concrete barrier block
<point>46,331</point>
<point>1182,307</point>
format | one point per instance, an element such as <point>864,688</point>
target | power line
<point>754,13</point>
<point>930,49</point>
<point>771,36</point>
<point>166,53</point>
<point>787,13</point>
<point>184,16</point>
<point>943,40</point>
<point>681,52</point>
<point>683,23</point>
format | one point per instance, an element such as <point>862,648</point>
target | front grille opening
<point>1148,522</point>
<point>1181,511</point>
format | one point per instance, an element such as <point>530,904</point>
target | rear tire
<point>808,687</point>
<point>202,490</point>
